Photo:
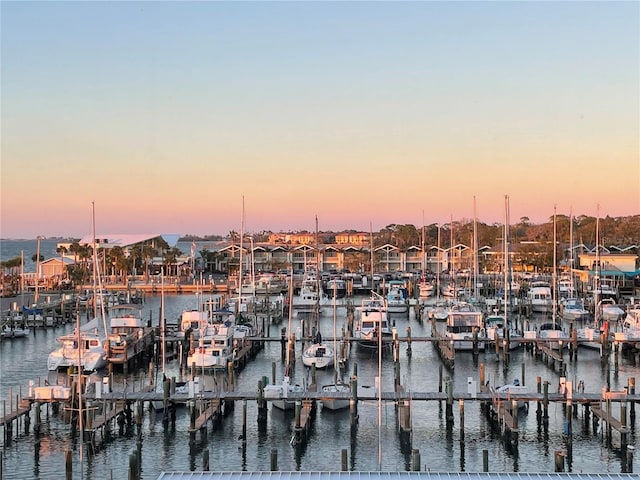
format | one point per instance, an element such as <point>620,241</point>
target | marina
<point>417,406</point>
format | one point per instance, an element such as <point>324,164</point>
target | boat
<point>318,354</point>
<point>370,317</point>
<point>495,329</point>
<point>14,331</point>
<point>540,297</point>
<point>192,322</point>
<point>574,310</point>
<point>127,331</point>
<point>85,347</point>
<point>336,287</point>
<point>465,327</point>
<point>553,330</point>
<point>338,386</point>
<point>438,311</point>
<point>609,311</point>
<point>279,393</point>
<point>497,326</point>
<point>516,390</point>
<point>270,284</point>
<point>335,393</point>
<point>310,298</point>
<point>216,342</point>
<point>397,297</point>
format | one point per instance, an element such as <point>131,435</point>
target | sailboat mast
<point>554,273</point>
<point>162,322</point>
<point>475,250</point>
<point>506,258</point>
<point>596,286</point>
<point>96,273</point>
<point>240,259</point>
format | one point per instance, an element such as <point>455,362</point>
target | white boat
<point>609,311</point>
<point>439,311</point>
<point>573,309</point>
<point>514,389</point>
<point>15,329</point>
<point>589,337</point>
<point>192,322</point>
<point>336,287</point>
<point>127,328</point>
<point>540,297</point>
<point>216,343</point>
<point>397,298</point>
<point>425,289</point>
<point>310,298</point>
<point>553,331</point>
<point>86,348</point>
<point>320,354</point>
<point>495,326</point>
<point>371,317</point>
<point>332,401</point>
<point>279,394</point>
<point>465,322</point>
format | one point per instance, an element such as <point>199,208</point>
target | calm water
<point>168,448</point>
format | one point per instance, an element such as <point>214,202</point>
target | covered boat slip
<point>390,476</point>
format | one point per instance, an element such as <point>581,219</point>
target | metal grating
<point>390,476</point>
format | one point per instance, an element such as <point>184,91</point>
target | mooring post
<point>343,456</point>
<point>449,406</point>
<point>485,460</point>
<point>415,460</point>
<point>262,403</point>
<point>274,460</point>
<point>559,461</point>
<point>68,464</point>
<point>205,460</point>
<point>353,405</point>
<point>545,403</point>
<point>409,341</point>
<point>461,408</point>
<point>631,387</point>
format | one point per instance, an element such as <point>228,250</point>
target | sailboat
<point>278,393</point>
<point>338,386</point>
<point>439,311</point>
<point>85,348</point>
<point>497,326</point>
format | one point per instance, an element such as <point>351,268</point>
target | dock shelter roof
<point>127,239</point>
<point>389,476</point>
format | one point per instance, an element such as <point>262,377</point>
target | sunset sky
<point>167,115</point>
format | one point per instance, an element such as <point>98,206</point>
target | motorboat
<point>465,327</point>
<point>573,309</point>
<point>127,329</point>
<point>540,297</point>
<point>516,390</point>
<point>495,329</point>
<point>279,393</point>
<point>553,330</point>
<point>85,348</point>
<point>396,298</point>
<point>370,318</point>
<point>216,343</point>
<point>609,311</point>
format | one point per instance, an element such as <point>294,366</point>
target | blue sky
<point>336,109</point>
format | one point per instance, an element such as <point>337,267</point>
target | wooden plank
<point>208,413</point>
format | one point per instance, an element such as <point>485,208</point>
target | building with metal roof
<point>390,476</point>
